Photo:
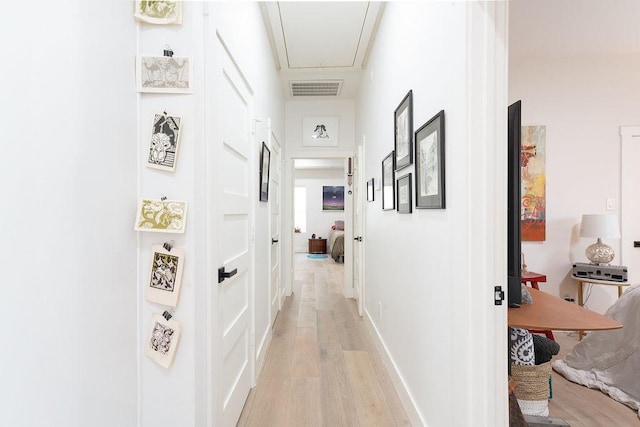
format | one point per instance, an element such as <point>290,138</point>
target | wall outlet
<point>379,310</point>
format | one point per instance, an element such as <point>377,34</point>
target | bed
<point>336,245</point>
<point>610,360</point>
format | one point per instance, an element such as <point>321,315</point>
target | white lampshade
<point>599,226</point>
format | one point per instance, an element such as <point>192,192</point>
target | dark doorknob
<point>358,239</point>
<point>274,241</point>
<point>222,274</point>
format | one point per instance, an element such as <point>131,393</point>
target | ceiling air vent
<point>315,87</point>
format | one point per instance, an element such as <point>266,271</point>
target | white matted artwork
<point>165,137</point>
<point>163,339</point>
<point>164,74</point>
<point>320,131</point>
<point>165,275</point>
<point>164,216</point>
<point>158,12</point>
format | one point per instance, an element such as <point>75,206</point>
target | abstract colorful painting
<point>533,191</point>
<point>333,198</point>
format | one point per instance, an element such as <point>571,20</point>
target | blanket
<point>610,360</point>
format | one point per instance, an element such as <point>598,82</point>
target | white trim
<point>261,353</point>
<point>633,131</point>
<point>407,400</point>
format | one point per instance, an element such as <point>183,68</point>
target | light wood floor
<point>581,406</point>
<point>322,367</point>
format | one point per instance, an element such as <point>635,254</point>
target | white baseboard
<point>261,354</point>
<point>405,397</point>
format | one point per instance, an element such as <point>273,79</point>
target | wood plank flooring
<point>581,406</point>
<point>322,367</point>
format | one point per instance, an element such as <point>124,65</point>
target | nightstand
<point>317,246</point>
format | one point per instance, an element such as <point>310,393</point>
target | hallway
<point>322,367</point>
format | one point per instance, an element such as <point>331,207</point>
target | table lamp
<point>599,226</point>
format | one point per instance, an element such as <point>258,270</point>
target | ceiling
<point>321,47</point>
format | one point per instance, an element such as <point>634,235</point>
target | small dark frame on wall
<point>370,190</point>
<point>403,192</point>
<point>403,132</point>
<point>430,174</point>
<point>265,166</point>
<point>388,182</point>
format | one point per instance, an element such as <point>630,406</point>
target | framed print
<point>370,190</point>
<point>403,190</point>
<point>158,12</point>
<point>320,131</point>
<point>163,146</point>
<point>164,74</point>
<point>265,162</point>
<point>165,275</point>
<point>163,339</point>
<point>388,182</point>
<point>333,198</point>
<point>403,132</point>
<point>163,216</point>
<point>429,140</point>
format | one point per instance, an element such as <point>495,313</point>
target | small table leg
<point>581,304</point>
<point>619,291</point>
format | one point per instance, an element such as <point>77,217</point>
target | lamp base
<point>599,253</point>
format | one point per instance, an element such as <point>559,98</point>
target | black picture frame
<point>370,190</point>
<point>388,182</point>
<point>265,169</point>
<point>430,162</point>
<point>403,193</point>
<point>403,132</point>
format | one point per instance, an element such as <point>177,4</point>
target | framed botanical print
<point>403,132</point>
<point>430,177</point>
<point>403,191</point>
<point>265,165</point>
<point>388,183</point>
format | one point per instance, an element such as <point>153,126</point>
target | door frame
<point>629,135</point>
<point>288,253</point>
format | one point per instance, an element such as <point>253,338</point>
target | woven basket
<point>532,381</point>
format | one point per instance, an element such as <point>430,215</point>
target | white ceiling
<point>321,40</point>
<point>330,40</point>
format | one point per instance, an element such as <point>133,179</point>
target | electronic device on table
<point>611,273</point>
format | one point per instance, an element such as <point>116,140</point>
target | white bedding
<point>333,236</point>
<point>610,360</point>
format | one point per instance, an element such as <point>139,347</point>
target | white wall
<point>185,384</point>
<point>431,271</point>
<point>69,260</point>
<point>319,222</point>
<point>583,101</point>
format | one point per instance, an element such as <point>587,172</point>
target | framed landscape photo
<point>265,166</point>
<point>163,146</point>
<point>164,74</point>
<point>370,190</point>
<point>388,183</point>
<point>403,191</point>
<point>403,132</point>
<point>320,131</point>
<point>430,177</point>
<point>333,198</point>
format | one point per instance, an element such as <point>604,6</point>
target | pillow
<point>339,225</point>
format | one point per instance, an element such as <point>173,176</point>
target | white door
<point>276,293</point>
<point>630,202</point>
<point>236,164</point>
<point>358,228</point>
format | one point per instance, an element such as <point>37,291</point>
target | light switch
<point>611,204</point>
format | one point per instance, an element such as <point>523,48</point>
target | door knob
<point>274,241</point>
<point>222,274</point>
<point>358,239</point>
